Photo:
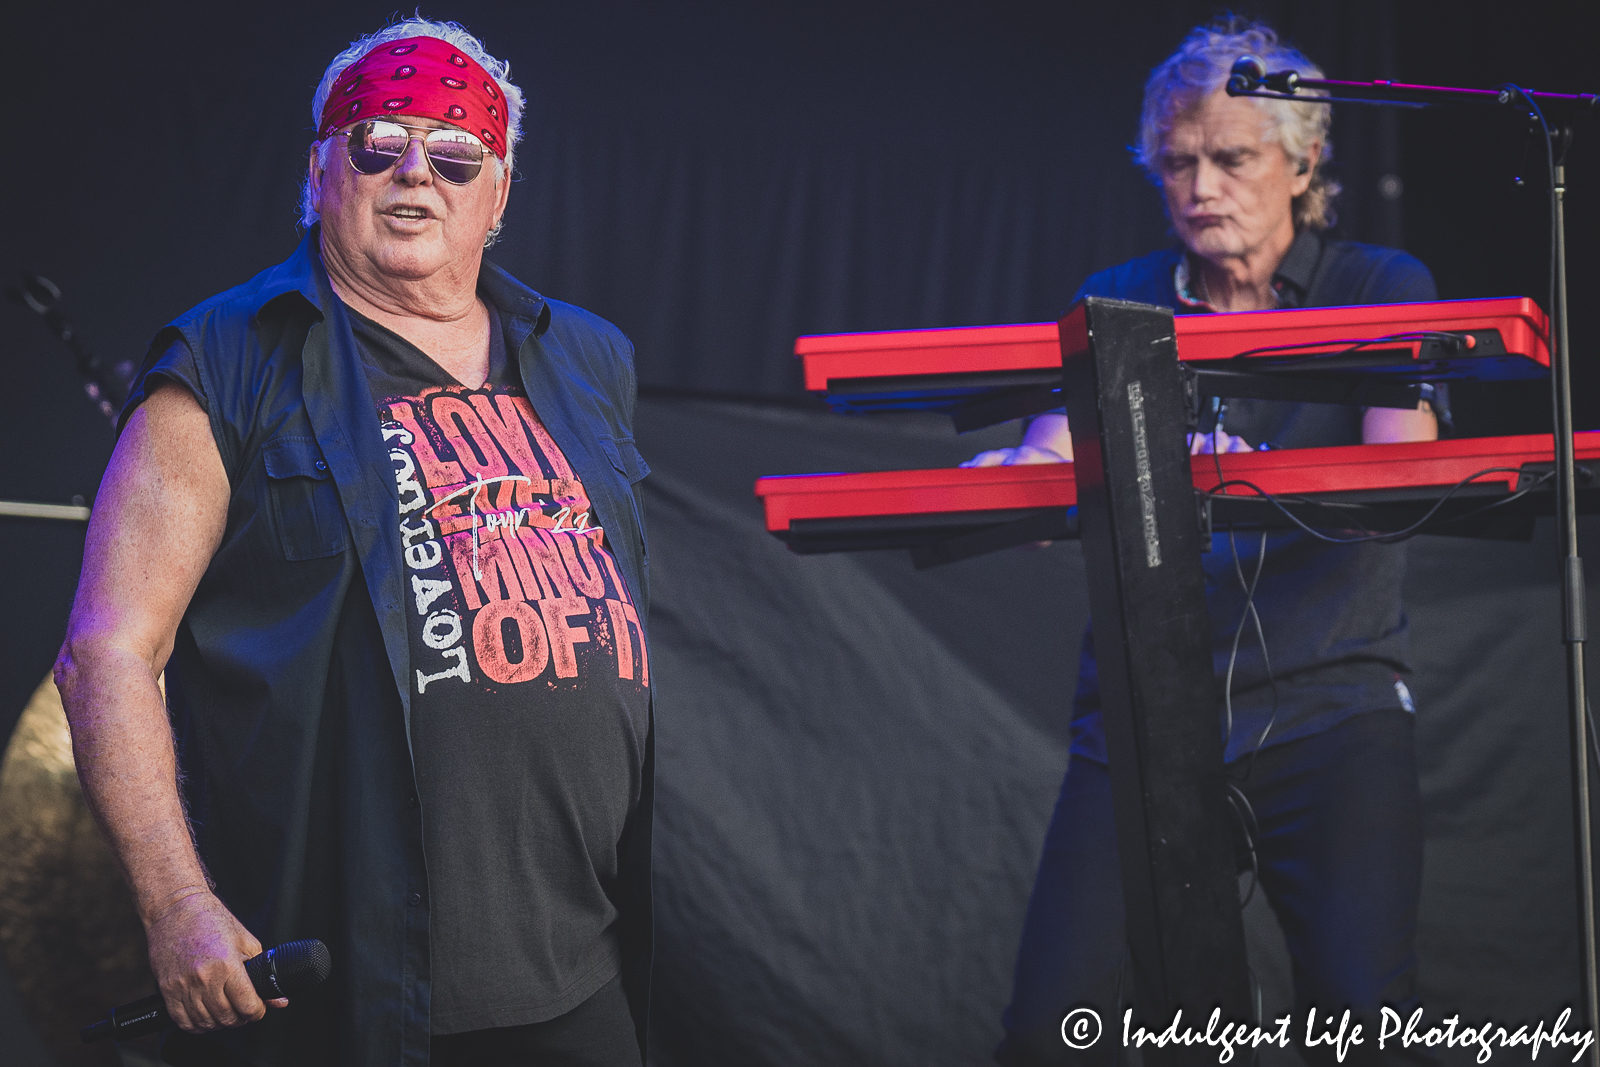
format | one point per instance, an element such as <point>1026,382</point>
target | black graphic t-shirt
<point>529,689</point>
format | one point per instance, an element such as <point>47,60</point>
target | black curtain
<point>858,761</point>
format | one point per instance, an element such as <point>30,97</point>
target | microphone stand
<point>109,393</point>
<point>43,297</point>
<point>1249,77</point>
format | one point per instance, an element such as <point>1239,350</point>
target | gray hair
<point>450,32</point>
<point>1200,67</point>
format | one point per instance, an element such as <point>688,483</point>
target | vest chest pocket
<point>303,499</point>
<point>625,457</point>
<point>626,461</point>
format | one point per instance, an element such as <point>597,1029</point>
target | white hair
<point>1200,67</point>
<point>450,32</point>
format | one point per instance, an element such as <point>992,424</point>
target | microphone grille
<point>303,964</point>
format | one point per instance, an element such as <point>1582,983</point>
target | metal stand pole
<point>21,509</point>
<point>1249,77</point>
<point>1575,614</point>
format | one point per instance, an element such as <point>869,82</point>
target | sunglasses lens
<point>376,146</point>
<point>456,155</point>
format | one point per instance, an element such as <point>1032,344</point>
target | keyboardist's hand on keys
<point>1009,457</point>
<point>1047,440</point>
<point>1203,444</point>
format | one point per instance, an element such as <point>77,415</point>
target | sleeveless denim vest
<point>287,683</point>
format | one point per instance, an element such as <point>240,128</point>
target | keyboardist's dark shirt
<point>1335,628</point>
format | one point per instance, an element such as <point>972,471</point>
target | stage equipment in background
<point>1481,487</point>
<point>24,509</point>
<point>1116,364</point>
<point>1142,507</point>
<point>71,938</point>
<point>1125,395</point>
<point>288,970</point>
<point>108,389</point>
<point>1553,115</point>
<point>1378,355</point>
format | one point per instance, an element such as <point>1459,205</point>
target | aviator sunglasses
<point>376,145</point>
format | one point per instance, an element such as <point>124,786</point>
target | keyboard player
<point>1322,744</point>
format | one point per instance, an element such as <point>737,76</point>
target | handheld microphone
<point>288,970</point>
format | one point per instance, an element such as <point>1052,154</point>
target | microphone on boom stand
<point>288,970</point>
<point>1250,74</point>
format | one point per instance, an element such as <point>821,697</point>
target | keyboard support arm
<point>1141,545</point>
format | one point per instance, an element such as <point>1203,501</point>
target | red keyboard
<point>1353,486</point>
<point>1498,339</point>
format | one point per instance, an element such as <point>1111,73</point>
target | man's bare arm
<point>1048,438</point>
<point>158,519</point>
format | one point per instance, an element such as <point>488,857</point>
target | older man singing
<point>1310,636</point>
<point>373,512</point>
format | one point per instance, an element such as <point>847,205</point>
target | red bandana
<point>420,76</point>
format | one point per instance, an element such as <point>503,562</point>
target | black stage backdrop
<point>857,760</point>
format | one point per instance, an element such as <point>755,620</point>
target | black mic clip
<point>1249,75</point>
<point>1246,76</point>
